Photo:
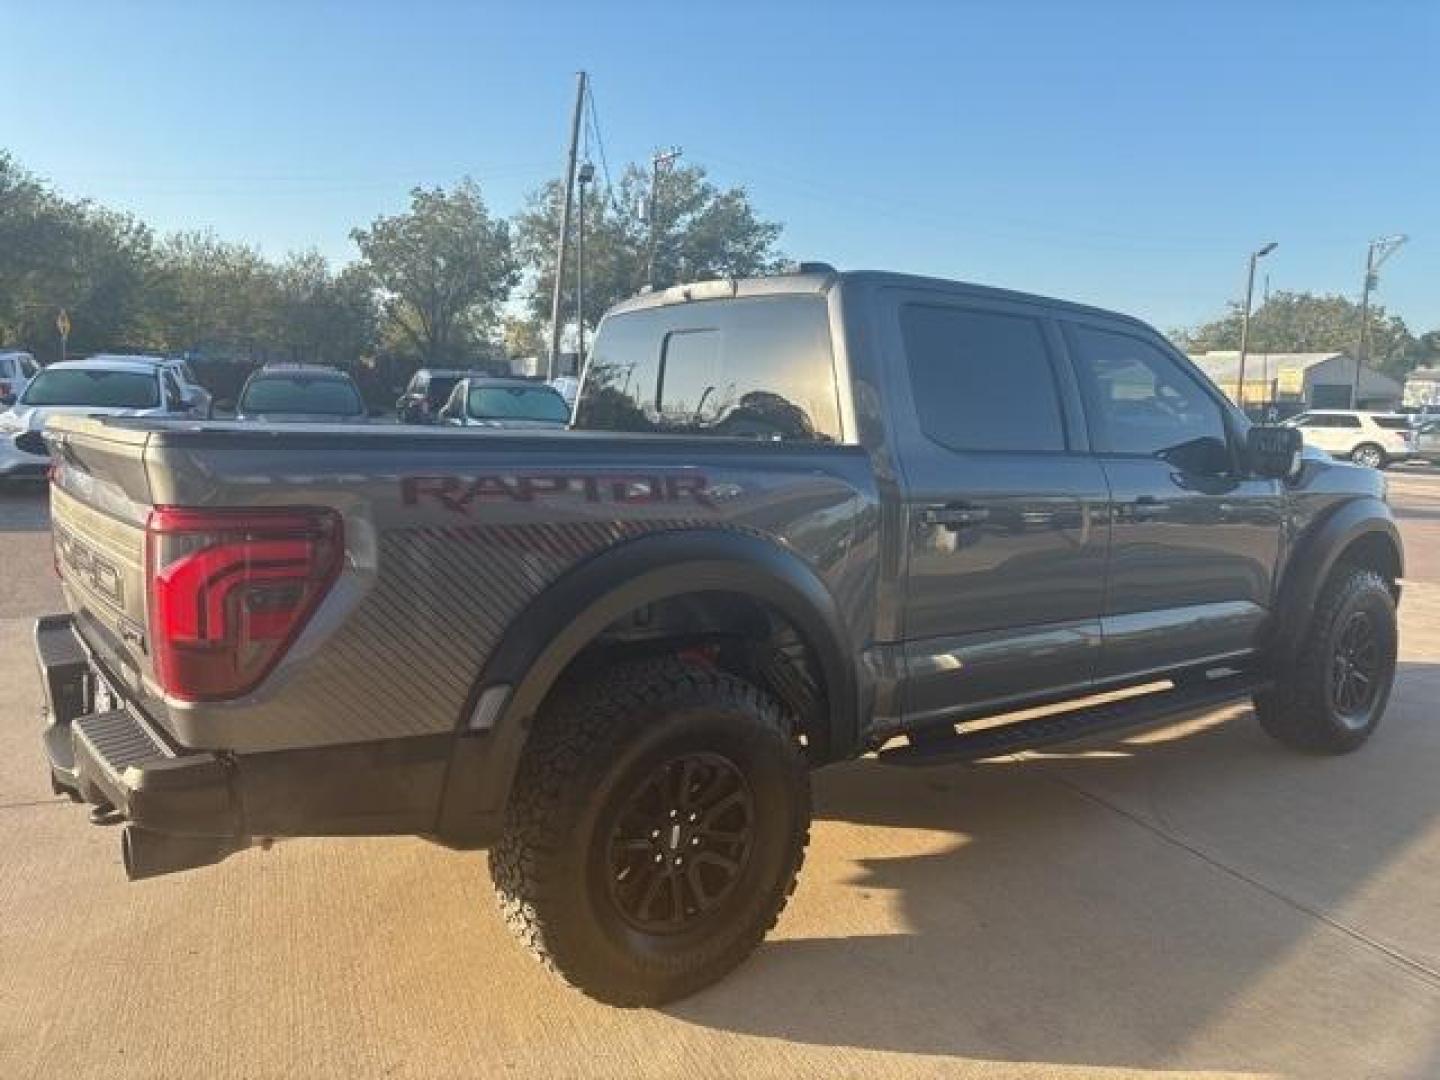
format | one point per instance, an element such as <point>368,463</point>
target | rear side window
<point>757,368</point>
<point>1393,423</point>
<point>981,380</point>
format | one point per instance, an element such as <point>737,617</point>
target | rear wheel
<point>1370,455</point>
<point>657,826</point>
<point>1332,697</point>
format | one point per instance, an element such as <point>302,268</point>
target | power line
<point>594,123</point>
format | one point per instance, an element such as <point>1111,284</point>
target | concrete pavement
<point>1192,898</point>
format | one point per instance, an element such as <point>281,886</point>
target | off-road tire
<point>1301,709</point>
<point>586,759</point>
<point>1370,454</point>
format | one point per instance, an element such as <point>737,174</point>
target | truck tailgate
<point>98,505</point>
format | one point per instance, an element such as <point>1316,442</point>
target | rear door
<point>1193,542</point>
<point>1005,530</point>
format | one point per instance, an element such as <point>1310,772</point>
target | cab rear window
<point>759,368</point>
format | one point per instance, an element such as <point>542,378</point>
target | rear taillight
<point>230,590</point>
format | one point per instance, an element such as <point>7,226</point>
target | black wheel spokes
<point>681,843</point>
<point>1355,666</point>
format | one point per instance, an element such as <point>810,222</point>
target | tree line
<point>445,281</point>
<point>432,284</point>
<point>1309,322</point>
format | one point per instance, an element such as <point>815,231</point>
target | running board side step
<point>939,748</point>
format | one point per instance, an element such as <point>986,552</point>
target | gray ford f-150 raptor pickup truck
<point>798,519</point>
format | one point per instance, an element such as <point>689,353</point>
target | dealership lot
<point>1192,897</point>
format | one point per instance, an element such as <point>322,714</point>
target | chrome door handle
<point>954,517</point>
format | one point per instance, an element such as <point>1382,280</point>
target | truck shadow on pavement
<point>1195,896</point>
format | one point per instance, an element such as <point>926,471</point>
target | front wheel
<point>655,832</point>
<point>1369,455</point>
<point>1332,697</point>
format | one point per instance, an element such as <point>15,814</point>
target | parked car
<point>512,403</point>
<point>299,394</point>
<point>803,518</point>
<point>16,371</point>
<point>201,402</point>
<point>94,387</point>
<point>427,391</point>
<point>1374,439</point>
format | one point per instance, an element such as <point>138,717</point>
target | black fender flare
<point>1313,558</point>
<point>572,611</point>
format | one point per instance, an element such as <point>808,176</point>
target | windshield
<point>301,394</point>
<point>96,387</point>
<point>517,403</point>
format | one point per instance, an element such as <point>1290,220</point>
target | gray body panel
<point>452,535</point>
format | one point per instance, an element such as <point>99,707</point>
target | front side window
<point>758,368</point>
<point>982,380</point>
<point>278,394</point>
<point>1140,401</point>
<point>517,403</point>
<point>96,387</point>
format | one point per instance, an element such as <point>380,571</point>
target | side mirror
<point>1273,451</point>
<point>6,400</point>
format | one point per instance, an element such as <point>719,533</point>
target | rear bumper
<point>109,754</point>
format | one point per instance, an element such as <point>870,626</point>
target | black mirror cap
<point>1272,451</point>
<point>6,400</point>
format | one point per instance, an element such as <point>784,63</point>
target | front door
<point>1006,525</point>
<point>1194,543</point>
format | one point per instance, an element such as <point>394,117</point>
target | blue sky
<point>1125,154</point>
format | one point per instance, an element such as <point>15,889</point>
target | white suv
<point>1373,439</point>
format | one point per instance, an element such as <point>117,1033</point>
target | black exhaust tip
<point>149,854</point>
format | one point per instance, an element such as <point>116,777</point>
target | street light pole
<point>1375,255</point>
<point>1245,322</point>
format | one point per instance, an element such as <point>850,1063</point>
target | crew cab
<point>796,520</point>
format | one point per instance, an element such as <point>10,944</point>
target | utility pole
<point>1375,256</point>
<point>564,242</point>
<point>587,174</point>
<point>1269,399</point>
<point>1245,323</point>
<point>662,159</point>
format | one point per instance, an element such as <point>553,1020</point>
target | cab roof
<point>817,279</point>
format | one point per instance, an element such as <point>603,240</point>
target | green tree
<point>442,269</point>
<point>323,317</point>
<point>701,231</point>
<point>1306,322</point>
<point>217,297</point>
<point>61,253</point>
